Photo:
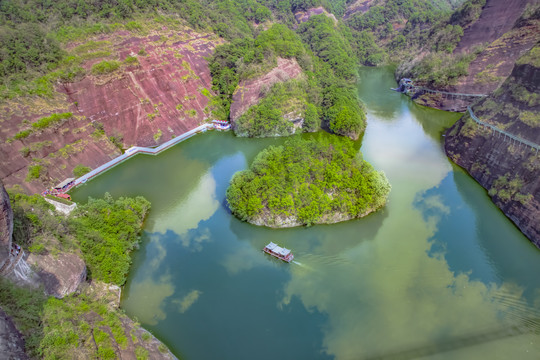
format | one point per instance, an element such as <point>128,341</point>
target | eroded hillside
<point>509,169</point>
<point>483,58</point>
<point>138,86</point>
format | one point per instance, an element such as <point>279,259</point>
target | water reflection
<point>433,122</point>
<point>394,297</point>
<point>398,298</point>
<point>152,292</point>
<point>187,301</point>
<point>200,204</point>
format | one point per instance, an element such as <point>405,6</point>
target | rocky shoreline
<point>290,221</point>
<point>63,275</point>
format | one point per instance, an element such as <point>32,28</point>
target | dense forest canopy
<point>307,182</point>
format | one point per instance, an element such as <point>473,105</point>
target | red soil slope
<point>497,17</point>
<point>250,92</point>
<point>144,104</point>
<point>171,75</point>
<point>495,63</point>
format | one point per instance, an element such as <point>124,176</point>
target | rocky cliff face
<point>304,16</point>
<point>6,225</point>
<point>508,32</point>
<point>507,168</point>
<point>358,6</point>
<point>160,89</point>
<point>11,341</point>
<point>497,18</point>
<point>60,274</point>
<point>250,92</point>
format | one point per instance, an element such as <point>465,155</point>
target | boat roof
<point>277,249</point>
<point>64,183</point>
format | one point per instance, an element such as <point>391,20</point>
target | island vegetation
<point>306,182</point>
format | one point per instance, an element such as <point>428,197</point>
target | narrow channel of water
<point>440,273</point>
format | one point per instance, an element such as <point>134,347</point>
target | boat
<point>279,252</point>
<point>221,125</point>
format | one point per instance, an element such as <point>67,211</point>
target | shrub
<point>108,230</point>
<point>25,151</point>
<point>105,67</point>
<point>47,121</point>
<point>25,307</point>
<point>80,170</point>
<point>22,134</point>
<point>133,26</point>
<point>141,353</point>
<point>117,141</point>
<point>131,60</point>
<point>34,172</point>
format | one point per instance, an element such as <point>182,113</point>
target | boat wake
<point>297,263</point>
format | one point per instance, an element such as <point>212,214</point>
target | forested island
<point>306,182</point>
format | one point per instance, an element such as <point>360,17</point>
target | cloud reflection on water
<point>152,293</point>
<point>199,205</point>
<point>394,298</point>
<point>187,301</point>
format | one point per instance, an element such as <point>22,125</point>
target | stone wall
<point>60,207</point>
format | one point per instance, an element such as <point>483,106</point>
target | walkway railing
<point>140,150</point>
<point>423,89</point>
<point>506,134</point>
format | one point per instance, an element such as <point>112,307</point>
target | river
<point>439,273</point>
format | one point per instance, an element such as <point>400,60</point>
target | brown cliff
<point>497,17</point>
<point>6,225</point>
<point>11,340</point>
<point>358,6</point>
<point>60,274</point>
<point>508,169</point>
<point>509,34</point>
<point>304,16</point>
<point>250,92</point>
<point>161,89</point>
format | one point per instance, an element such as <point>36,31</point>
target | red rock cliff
<point>507,168</point>
<point>250,92</point>
<point>163,92</point>
<point>508,34</point>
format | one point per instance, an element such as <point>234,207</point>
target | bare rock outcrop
<point>6,225</point>
<point>60,274</point>
<point>304,16</point>
<point>508,37</point>
<point>497,17</point>
<point>250,92</point>
<point>11,340</point>
<point>507,168</point>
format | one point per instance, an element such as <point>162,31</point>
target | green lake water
<point>439,273</point>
